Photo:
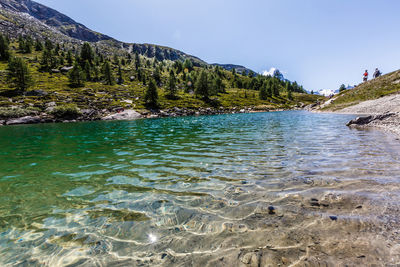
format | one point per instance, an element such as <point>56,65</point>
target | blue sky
<point>319,43</point>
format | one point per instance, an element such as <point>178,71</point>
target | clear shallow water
<point>196,191</point>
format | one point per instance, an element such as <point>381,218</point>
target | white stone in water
<point>152,238</point>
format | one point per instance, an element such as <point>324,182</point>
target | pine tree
<point>107,74</point>
<point>70,60</point>
<point>188,64</point>
<point>201,88</point>
<point>57,49</point>
<point>88,71</point>
<point>77,76</point>
<point>157,76</point>
<point>275,88</point>
<point>171,85</point>
<point>61,60</point>
<point>25,44</point>
<point>28,45</point>
<point>269,88</point>
<point>4,49</point>
<point>120,78</point>
<point>48,45</point>
<point>48,61</point>
<point>116,59</point>
<point>87,53</point>
<point>38,45</point>
<point>140,75</point>
<point>178,66</point>
<point>18,74</point>
<point>137,61</point>
<point>96,73</point>
<point>290,96</point>
<point>218,86</point>
<point>263,93</point>
<point>21,44</point>
<point>151,96</point>
<point>238,82</point>
<point>97,61</point>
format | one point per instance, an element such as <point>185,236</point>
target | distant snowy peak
<point>273,72</point>
<point>328,92</point>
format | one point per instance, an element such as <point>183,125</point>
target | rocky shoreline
<point>382,113</point>
<point>129,114</point>
<point>389,122</point>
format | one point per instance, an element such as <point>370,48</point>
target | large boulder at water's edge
<point>24,120</point>
<point>124,115</point>
<point>369,119</point>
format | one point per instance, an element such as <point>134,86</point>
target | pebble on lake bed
<point>271,210</point>
<point>333,218</point>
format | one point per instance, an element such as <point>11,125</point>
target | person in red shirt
<point>365,76</point>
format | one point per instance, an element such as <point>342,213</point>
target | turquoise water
<point>193,190</point>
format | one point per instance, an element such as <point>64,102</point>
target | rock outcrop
<point>26,17</point>
<point>389,122</point>
<point>361,121</point>
<point>54,19</point>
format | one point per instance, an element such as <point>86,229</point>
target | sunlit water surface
<point>196,191</point>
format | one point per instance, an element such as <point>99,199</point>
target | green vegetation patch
<point>67,111</point>
<point>17,112</point>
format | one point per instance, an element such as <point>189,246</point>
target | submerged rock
<point>124,115</point>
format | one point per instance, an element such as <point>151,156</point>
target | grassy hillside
<point>373,89</point>
<point>55,89</point>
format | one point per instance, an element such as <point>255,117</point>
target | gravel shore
<point>382,113</point>
<point>381,105</point>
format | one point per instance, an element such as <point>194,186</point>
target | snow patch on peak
<point>269,72</point>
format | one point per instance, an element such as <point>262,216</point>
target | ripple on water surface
<point>266,188</point>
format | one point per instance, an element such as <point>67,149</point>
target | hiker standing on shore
<point>365,76</point>
<point>377,73</point>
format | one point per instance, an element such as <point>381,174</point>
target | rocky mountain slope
<point>54,19</point>
<point>26,17</point>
